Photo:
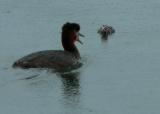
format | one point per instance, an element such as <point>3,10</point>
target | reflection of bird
<point>56,59</point>
<point>106,30</point>
<point>71,83</point>
<point>71,87</point>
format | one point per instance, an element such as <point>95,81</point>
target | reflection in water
<point>71,88</point>
<point>104,38</point>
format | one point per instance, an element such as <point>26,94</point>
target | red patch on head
<point>73,37</point>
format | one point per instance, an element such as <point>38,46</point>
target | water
<point>120,76</point>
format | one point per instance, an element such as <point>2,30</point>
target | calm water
<point>119,76</point>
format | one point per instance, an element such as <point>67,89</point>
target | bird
<point>58,60</point>
<point>105,31</point>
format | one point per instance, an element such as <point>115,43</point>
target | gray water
<point>119,76</point>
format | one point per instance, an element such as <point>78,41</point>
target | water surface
<point>119,76</point>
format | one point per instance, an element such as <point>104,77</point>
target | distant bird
<point>105,31</point>
<point>59,60</point>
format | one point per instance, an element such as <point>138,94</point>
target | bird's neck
<point>69,46</point>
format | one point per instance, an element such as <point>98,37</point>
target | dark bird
<point>58,60</point>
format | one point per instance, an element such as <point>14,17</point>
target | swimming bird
<point>105,31</point>
<point>58,60</point>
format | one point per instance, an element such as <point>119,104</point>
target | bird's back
<point>58,60</point>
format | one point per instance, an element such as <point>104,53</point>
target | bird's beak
<point>79,34</point>
<point>80,41</point>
